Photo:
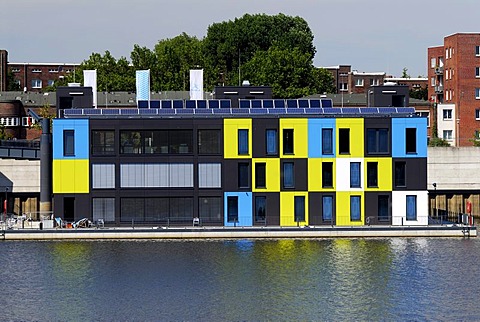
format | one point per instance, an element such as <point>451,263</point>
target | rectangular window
<point>103,142</point>
<point>383,202</point>
<point>243,175</point>
<point>50,82</point>
<point>477,50</point>
<point>232,209</point>
<point>36,83</point>
<point>131,142</point>
<point>327,141</point>
<point>477,93</point>
<point>400,174</point>
<point>447,134</point>
<point>355,205</point>
<point>180,141</point>
<point>260,175</point>
<point>359,82</point>
<point>210,209</point>
<point>208,141</point>
<point>299,204</point>
<point>343,87</point>
<point>209,175</point>
<point>271,137</point>
<point>260,208</point>
<point>327,174</point>
<point>355,175</point>
<point>288,141</point>
<point>433,62</point>
<point>377,141</point>
<point>288,175</point>
<point>477,72</point>
<point>68,142</point>
<point>327,208</point>
<point>432,81</point>
<point>103,176</point>
<point>103,208</point>
<point>477,114</point>
<point>242,142</point>
<point>344,141</point>
<point>447,114</point>
<point>411,140</point>
<point>372,174</point>
<point>411,207</point>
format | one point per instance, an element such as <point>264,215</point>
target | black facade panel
<point>378,123</point>
<point>260,125</point>
<point>388,96</point>
<point>272,208</point>
<point>372,208</point>
<point>230,175</point>
<point>72,207</point>
<point>315,208</point>
<point>416,174</point>
<point>300,174</point>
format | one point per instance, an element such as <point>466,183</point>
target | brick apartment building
<point>454,85</point>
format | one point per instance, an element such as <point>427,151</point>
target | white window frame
<point>36,83</point>
<point>53,70</point>
<point>343,87</point>
<point>447,134</point>
<point>477,114</point>
<point>359,82</point>
<point>477,51</point>
<point>447,114</point>
<point>477,72</point>
<point>433,62</point>
<point>36,70</point>
<point>446,53</point>
<point>477,93</point>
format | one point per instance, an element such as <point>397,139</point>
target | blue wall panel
<point>81,138</point>
<point>315,127</point>
<point>399,126</point>
<point>245,215</point>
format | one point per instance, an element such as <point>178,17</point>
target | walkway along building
<point>269,165</point>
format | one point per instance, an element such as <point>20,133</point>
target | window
<point>411,140</point>
<point>411,207</point>
<point>344,141</point>
<point>209,175</point>
<point>36,70</point>
<point>103,142</point>
<point>15,70</point>
<point>103,176</point>
<point>36,83</point>
<point>210,209</point>
<point>260,208</point>
<point>50,82</point>
<point>156,142</point>
<point>433,62</point>
<point>327,208</point>
<point>179,141</point>
<point>260,175</point>
<point>243,175</point>
<point>299,204</point>
<point>103,208</point>
<point>327,174</point>
<point>477,93</point>
<point>343,87</point>
<point>447,114</point>
<point>377,141</point>
<point>271,137</point>
<point>208,141</point>
<point>288,141</point>
<point>447,134</point>
<point>374,82</point>
<point>383,202</point>
<point>432,81</point>
<point>68,142</point>
<point>355,175</point>
<point>359,82</point>
<point>355,212</point>
<point>372,174</point>
<point>131,142</point>
<point>288,175</point>
<point>53,70</point>
<point>477,114</point>
<point>477,50</point>
<point>232,209</point>
<point>400,174</point>
<point>477,72</point>
<point>327,141</point>
<point>242,142</point>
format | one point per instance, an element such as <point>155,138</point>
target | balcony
<point>439,89</point>
<point>439,70</point>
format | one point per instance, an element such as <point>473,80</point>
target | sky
<point>370,35</point>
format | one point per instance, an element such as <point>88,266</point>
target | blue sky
<point>370,35</point>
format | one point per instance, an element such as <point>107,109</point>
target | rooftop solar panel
<point>166,104</point>
<point>128,111</point>
<point>292,103</point>
<point>277,111</point>
<point>368,110</point>
<point>93,111</point>
<point>350,110</point>
<point>177,103</point>
<point>315,110</point>
<point>203,111</point>
<point>256,103</point>
<point>303,104</point>
<point>387,110</point>
<point>225,104</point>
<point>268,103</point>
<point>154,104</point>
<point>222,111</point>
<point>315,103</point>
<point>184,111</point>
<point>405,110</point>
<point>332,111</point>
<point>240,111</point>
<point>213,104</point>
<point>244,103</point>
<point>327,102</point>
<point>190,104</point>
<point>201,104</point>
<point>295,111</point>
<point>142,104</point>
<point>113,111</point>
<point>258,111</point>
<point>73,111</point>
<point>150,111</point>
<point>279,103</point>
<point>167,111</point>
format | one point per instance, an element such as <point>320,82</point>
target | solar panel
<point>244,103</point>
<point>368,110</point>
<point>327,102</point>
<point>201,104</point>
<point>303,104</point>
<point>167,111</point>
<point>203,111</point>
<point>190,104</point>
<point>184,110</point>
<point>73,112</point>
<point>405,110</point>
<point>292,103</point>
<point>350,110</point>
<point>315,110</point>
<point>267,103</point>
<point>387,110</point>
<point>93,111</point>
<point>332,111</point>
<point>240,111</point>
<point>177,103</point>
<point>154,104</point>
<point>279,103</point>
<point>129,111</point>
<point>150,111</point>
<point>258,111</point>
<point>166,104</point>
<point>225,104</point>
<point>295,111</point>
<point>222,111</point>
<point>256,104</point>
<point>142,104</point>
<point>112,111</point>
<point>213,104</point>
<point>277,111</point>
<point>315,103</point>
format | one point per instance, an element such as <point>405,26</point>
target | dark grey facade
<point>388,96</point>
<point>235,93</point>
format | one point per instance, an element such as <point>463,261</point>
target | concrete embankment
<point>239,232</point>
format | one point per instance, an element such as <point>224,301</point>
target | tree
<point>12,84</point>
<point>404,73</point>
<point>421,93</point>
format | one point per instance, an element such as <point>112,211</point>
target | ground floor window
<point>210,209</point>
<point>299,204</point>
<point>383,208</point>
<point>355,208</point>
<point>260,208</point>
<point>232,209</point>
<point>169,210</point>
<point>103,208</point>
<point>411,207</point>
<point>327,208</point>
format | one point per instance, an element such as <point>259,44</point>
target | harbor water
<point>393,279</point>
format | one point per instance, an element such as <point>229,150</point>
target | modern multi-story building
<point>454,74</point>
<point>275,166</point>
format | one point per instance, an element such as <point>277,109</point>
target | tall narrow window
<point>355,175</point>
<point>299,204</point>
<point>260,208</point>
<point>383,208</point>
<point>327,208</point>
<point>242,142</point>
<point>377,141</point>
<point>260,175</point>
<point>411,207</point>
<point>372,174</point>
<point>344,141</point>
<point>288,141</point>
<point>243,175</point>
<point>355,212</point>
<point>327,174</point>
<point>68,142</point>
<point>232,209</point>
<point>400,174</point>
<point>327,141</point>
<point>271,136</point>
<point>288,175</point>
<point>411,140</point>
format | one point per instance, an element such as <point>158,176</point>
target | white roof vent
<point>246,83</point>
<point>73,84</point>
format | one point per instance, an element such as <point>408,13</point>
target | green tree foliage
<point>421,93</point>
<point>12,85</point>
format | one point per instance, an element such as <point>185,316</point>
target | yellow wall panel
<point>230,139</point>
<point>71,176</point>
<point>272,173</point>
<point>300,137</point>
<point>384,174</point>
<point>356,137</point>
<point>343,208</point>
<point>315,174</point>
<point>287,215</point>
